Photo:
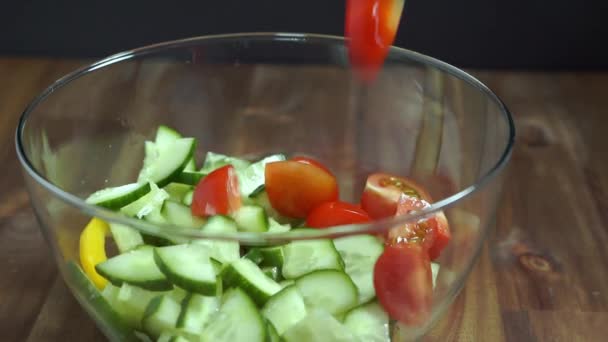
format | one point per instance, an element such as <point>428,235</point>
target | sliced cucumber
<point>272,256</point>
<point>187,200</point>
<point>118,197</point>
<point>302,257</point>
<point>104,311</point>
<point>271,333</point>
<point>320,326</point>
<point>285,309</point>
<point>171,160</point>
<point>223,251</point>
<point>360,254</point>
<point>187,266</point>
<point>368,322</point>
<point>167,336</point>
<point>330,290</point>
<point>261,198</point>
<point>180,215</point>
<point>161,314</point>
<point>190,177</point>
<point>136,267</point>
<point>146,204</point>
<point>196,311</point>
<point>276,227</point>
<point>287,282</point>
<point>251,218</point>
<point>237,320</point>
<point>254,255</point>
<point>273,273</point>
<point>177,191</point>
<point>166,135</point>
<point>245,274</point>
<point>191,166</point>
<point>435,271</point>
<point>252,177</point>
<point>125,237</point>
<point>214,161</point>
<point>131,303</point>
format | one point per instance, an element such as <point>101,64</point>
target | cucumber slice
<point>245,274</point>
<point>223,251</point>
<point>285,309</point>
<point>319,325</point>
<point>434,272</point>
<point>260,198</point>
<point>237,320</point>
<point>196,311</point>
<point>287,282</point>
<point>272,256</point>
<point>214,161</point>
<point>187,200</point>
<point>302,257</point>
<point>360,254</point>
<point>161,314</point>
<point>368,322</point>
<point>146,204</point>
<point>251,218</point>
<point>125,237</point>
<point>254,255</point>
<point>131,302</point>
<point>273,273</point>
<point>117,327</point>
<point>252,177</point>
<point>136,267</point>
<point>167,336</point>
<point>271,333</point>
<point>276,227</point>
<point>177,191</point>
<point>191,166</point>
<point>166,135</point>
<point>190,177</point>
<point>118,197</point>
<point>187,266</point>
<point>170,162</point>
<point>180,215</point>
<point>330,290</point>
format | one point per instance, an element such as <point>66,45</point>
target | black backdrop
<point>530,34</point>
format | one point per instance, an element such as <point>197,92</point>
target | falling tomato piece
<point>371,26</point>
<point>217,193</point>
<point>403,283</point>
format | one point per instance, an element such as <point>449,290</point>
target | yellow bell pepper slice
<point>93,249</point>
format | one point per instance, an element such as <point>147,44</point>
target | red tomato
<point>382,192</point>
<point>420,232</point>
<point>442,235</point>
<point>403,283</point>
<point>217,193</point>
<point>371,26</point>
<point>334,214</point>
<point>295,188</point>
<point>311,161</point>
<point>432,233</point>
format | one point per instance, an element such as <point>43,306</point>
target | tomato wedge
<point>421,232</point>
<point>331,214</point>
<point>382,192</point>
<point>371,26</point>
<point>217,193</point>
<point>307,160</point>
<point>295,188</point>
<point>433,233</point>
<point>403,283</point>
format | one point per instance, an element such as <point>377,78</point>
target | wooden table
<point>542,275</point>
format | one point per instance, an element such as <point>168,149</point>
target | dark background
<point>524,34</point>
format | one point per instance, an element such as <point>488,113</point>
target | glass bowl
<point>260,93</point>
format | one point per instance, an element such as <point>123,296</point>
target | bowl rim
<point>161,229</point>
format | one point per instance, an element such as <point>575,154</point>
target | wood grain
<point>542,275</point>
